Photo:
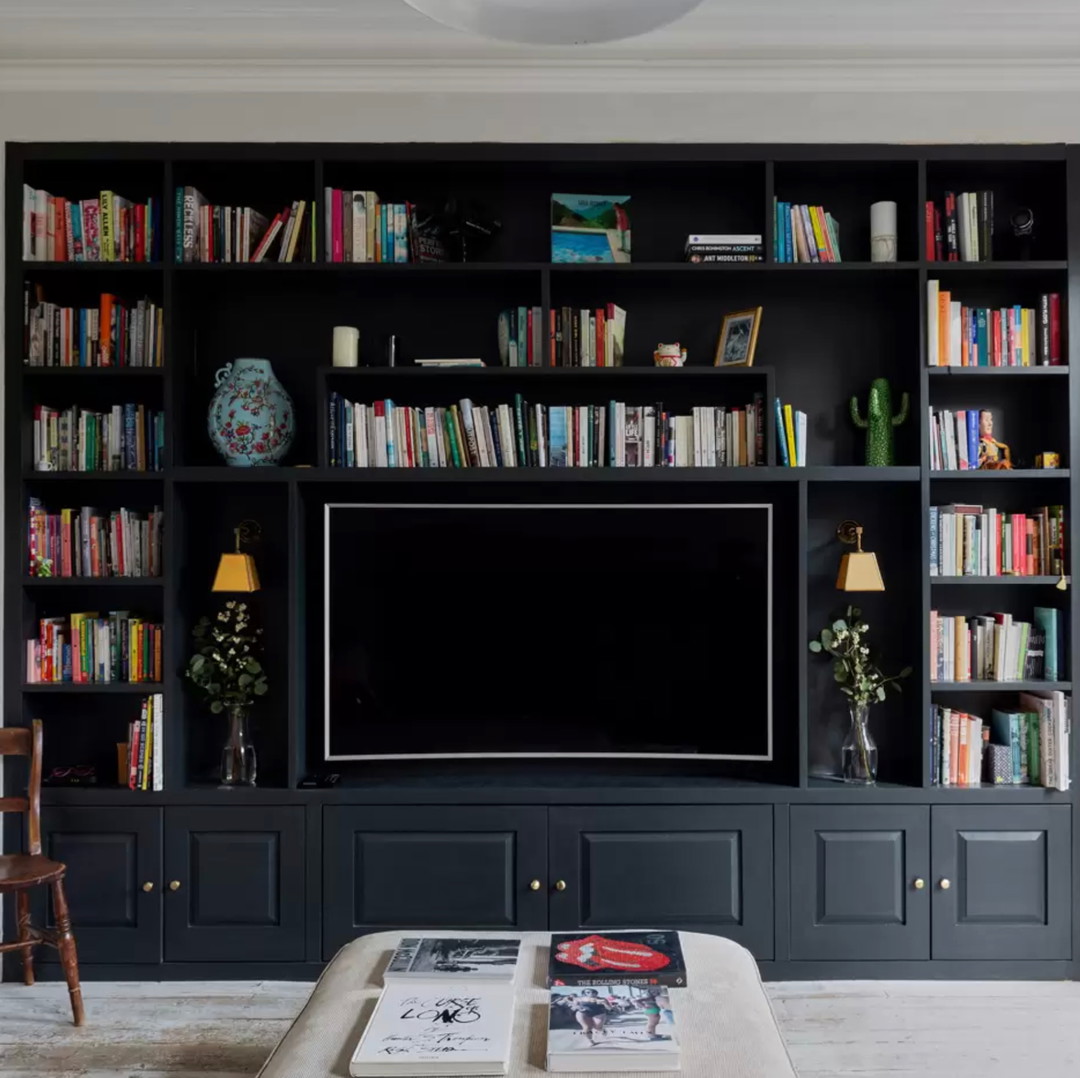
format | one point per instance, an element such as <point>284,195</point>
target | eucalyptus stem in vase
<point>863,682</point>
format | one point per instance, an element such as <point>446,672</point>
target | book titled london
<point>434,958</point>
<point>632,958</point>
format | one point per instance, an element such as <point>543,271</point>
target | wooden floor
<point>869,1029</point>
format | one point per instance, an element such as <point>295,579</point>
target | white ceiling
<point>724,43</point>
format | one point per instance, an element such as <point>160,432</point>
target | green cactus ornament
<point>879,423</point>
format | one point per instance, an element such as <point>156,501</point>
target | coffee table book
<point>455,959</point>
<point>641,958</point>
<point>424,1029</point>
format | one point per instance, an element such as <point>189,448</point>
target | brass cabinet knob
<point>174,885</point>
<point>560,885</point>
<point>919,884</point>
<point>148,886</point>
<point>534,885</point>
<point>944,884</point>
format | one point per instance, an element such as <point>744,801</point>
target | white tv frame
<point>638,507</point>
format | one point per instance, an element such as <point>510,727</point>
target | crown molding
<point>598,76</point>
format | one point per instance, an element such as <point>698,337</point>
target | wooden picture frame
<point>738,338</point>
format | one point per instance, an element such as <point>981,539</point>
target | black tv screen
<point>548,630</point>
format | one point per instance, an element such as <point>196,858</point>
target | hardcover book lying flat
<point>425,1029</point>
<point>632,958</point>
<point>612,1027</point>
<point>454,958</point>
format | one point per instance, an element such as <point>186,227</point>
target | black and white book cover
<point>437,1029</point>
<point>462,959</point>
<point>598,958</point>
<point>613,1027</point>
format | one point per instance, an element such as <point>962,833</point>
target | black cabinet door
<point>235,884</point>
<point>113,882</point>
<point>705,869</point>
<point>859,882</point>
<point>1001,882</point>
<point>432,867</point>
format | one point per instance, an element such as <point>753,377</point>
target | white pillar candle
<point>346,346</point>
<point>883,232</point>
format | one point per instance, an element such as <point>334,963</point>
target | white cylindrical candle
<point>346,346</point>
<point>883,232</point>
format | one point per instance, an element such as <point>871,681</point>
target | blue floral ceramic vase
<point>251,420</point>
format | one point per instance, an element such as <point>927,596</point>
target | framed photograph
<point>738,336</point>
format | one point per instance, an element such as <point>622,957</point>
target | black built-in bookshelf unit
<point>817,878</point>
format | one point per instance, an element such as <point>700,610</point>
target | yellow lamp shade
<point>236,572</point>
<point>859,572</point>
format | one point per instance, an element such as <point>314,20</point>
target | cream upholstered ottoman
<point>725,1025</point>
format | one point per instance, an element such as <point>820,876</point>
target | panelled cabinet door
<point>702,869</point>
<point>1008,872</point>
<point>432,867</point>
<point>111,855</point>
<point>859,882</point>
<point>234,884</point>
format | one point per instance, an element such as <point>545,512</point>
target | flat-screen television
<point>487,630</point>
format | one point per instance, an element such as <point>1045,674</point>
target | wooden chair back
<point>20,741</point>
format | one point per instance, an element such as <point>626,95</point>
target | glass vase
<point>858,755</point>
<point>238,763</point>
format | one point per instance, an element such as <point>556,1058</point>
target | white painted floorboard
<point>834,1029</point>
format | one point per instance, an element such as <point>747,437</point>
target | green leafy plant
<point>224,665</point>
<point>855,666</point>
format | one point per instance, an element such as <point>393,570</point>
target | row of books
<point>724,247</point>
<point>1028,746</point>
<point>447,1005</point>
<point>112,334</point>
<point>588,338</point>
<point>959,336</point>
<point>996,647</point>
<point>523,435</point>
<point>210,233</point>
<point>791,435</point>
<point>109,228</point>
<point>961,228</point>
<point>970,540</point>
<point>128,437</point>
<point>805,233</point>
<point>521,336</point>
<point>142,766</point>
<point>88,648</point>
<point>961,440</point>
<point>88,543</point>
<point>360,227</point>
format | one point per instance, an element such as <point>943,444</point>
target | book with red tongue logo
<point>616,958</point>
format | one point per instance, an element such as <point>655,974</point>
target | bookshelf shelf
<point>138,687</point>
<point>998,581</point>
<point>999,686</point>
<point>94,477</point>
<point>998,372</point>
<point>30,268</point>
<point>1015,475</point>
<point>92,582</point>
<point>93,372</point>
<point>363,269</point>
<point>1009,266</point>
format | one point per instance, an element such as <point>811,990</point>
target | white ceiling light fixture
<point>555,22</point>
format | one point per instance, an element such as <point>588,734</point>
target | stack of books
<point>126,438</point>
<point>996,647</point>
<point>361,228</point>
<point>87,542</point>
<point>142,766</point>
<point>109,228</point>
<point>725,247</point>
<point>209,233</point>
<point>112,334</point>
<point>87,648</point>
<point>805,234</point>
<point>970,540</point>
<point>523,435</point>
<point>955,437</point>
<point>961,228</point>
<point>959,336</point>
<point>446,1008</point>
<point>1028,746</point>
<point>791,435</point>
<point>588,338</point>
<point>612,1004</point>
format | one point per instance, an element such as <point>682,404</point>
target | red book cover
<point>1055,329</point>
<point>61,231</point>
<point>601,359</point>
<point>995,342</point>
<point>268,238</point>
<point>134,755</point>
<point>140,232</point>
<point>530,361</point>
<point>336,233</point>
<point>409,462</point>
<point>930,248</point>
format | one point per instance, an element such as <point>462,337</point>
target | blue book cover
<point>783,213</point>
<point>391,447</point>
<point>557,437</point>
<point>401,236</point>
<point>934,541</point>
<point>785,459</point>
<point>789,238</point>
<point>522,336</point>
<point>1048,621</point>
<point>972,439</point>
<point>982,337</point>
<point>1018,333</point>
<point>590,228</point>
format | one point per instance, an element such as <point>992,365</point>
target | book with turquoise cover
<point>590,228</point>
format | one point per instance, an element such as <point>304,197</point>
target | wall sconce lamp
<point>237,572</point>
<point>858,571</point>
